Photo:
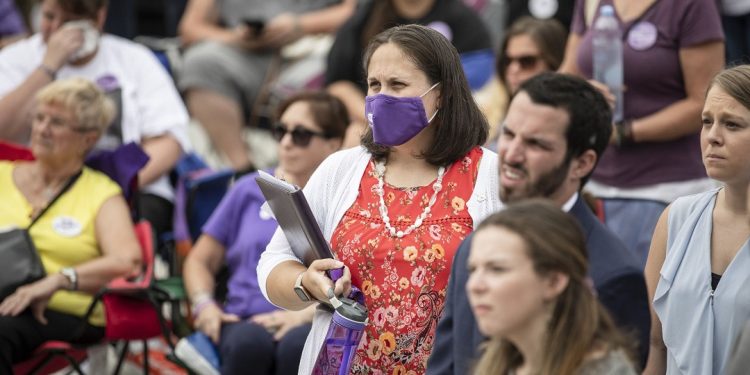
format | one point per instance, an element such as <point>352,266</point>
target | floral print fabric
<point>404,279</point>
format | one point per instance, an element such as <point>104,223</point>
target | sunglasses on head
<point>300,136</point>
<point>526,61</point>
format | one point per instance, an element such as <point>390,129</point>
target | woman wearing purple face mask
<point>396,208</point>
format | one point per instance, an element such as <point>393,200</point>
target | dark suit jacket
<point>617,278</point>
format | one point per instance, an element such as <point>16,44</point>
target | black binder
<point>293,214</point>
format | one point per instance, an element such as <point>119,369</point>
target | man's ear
<point>555,284</point>
<point>583,164</point>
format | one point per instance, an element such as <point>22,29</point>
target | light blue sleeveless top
<point>699,325</point>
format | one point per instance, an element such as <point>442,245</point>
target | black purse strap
<point>65,188</point>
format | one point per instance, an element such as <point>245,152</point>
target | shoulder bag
<point>18,256</point>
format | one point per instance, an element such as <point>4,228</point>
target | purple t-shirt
<point>238,225</point>
<point>654,80</point>
<point>10,21</point>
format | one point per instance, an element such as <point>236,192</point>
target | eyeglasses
<point>300,136</point>
<point>526,61</point>
<point>55,123</point>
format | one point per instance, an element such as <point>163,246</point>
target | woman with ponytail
<point>529,292</point>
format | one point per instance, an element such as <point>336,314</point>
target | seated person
<point>149,109</point>
<point>345,77</point>
<point>232,46</point>
<point>85,238</point>
<point>529,291</point>
<point>247,328</point>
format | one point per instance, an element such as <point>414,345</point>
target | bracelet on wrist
<point>624,133</point>
<point>200,301</point>
<point>199,307</point>
<point>52,73</point>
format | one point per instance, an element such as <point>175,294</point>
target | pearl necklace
<point>436,187</point>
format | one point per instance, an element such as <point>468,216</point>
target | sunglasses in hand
<point>301,136</point>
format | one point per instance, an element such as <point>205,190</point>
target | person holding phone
<point>231,46</point>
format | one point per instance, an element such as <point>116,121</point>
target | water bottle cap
<point>350,310</point>
<point>607,10</point>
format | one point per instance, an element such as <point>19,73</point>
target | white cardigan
<point>331,191</point>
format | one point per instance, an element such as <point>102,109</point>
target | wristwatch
<point>300,289</point>
<point>72,276</point>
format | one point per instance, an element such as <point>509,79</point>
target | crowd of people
<point>555,241</point>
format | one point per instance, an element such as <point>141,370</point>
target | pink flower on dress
<point>417,276</point>
<point>391,313</point>
<point>379,317</point>
<point>435,232</point>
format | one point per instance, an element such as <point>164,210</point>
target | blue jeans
<point>737,34</point>
<point>633,221</point>
<point>246,345</point>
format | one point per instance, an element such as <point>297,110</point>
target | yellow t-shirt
<point>64,236</point>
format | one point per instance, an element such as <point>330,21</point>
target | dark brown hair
<point>589,115</point>
<point>549,36</point>
<point>735,82</point>
<point>382,16</point>
<point>579,323</point>
<point>459,125</point>
<point>86,8</point>
<point>327,111</point>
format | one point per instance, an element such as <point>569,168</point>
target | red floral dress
<point>404,279</point>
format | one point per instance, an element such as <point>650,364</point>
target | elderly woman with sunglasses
<point>395,209</point>
<point>246,328</point>
<point>84,238</point>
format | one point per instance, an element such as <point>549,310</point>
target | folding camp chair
<point>132,313</point>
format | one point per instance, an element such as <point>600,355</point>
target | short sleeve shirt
<point>65,236</point>
<point>239,225</point>
<point>461,25</point>
<point>654,79</point>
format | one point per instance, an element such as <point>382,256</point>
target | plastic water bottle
<point>344,333</point>
<point>607,48</point>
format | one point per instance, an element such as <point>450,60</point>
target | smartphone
<point>256,25</point>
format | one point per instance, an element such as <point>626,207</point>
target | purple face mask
<point>395,120</point>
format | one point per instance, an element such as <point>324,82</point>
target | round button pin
<point>642,36</point>
<point>543,9</point>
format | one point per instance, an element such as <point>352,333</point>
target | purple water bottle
<point>342,339</point>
